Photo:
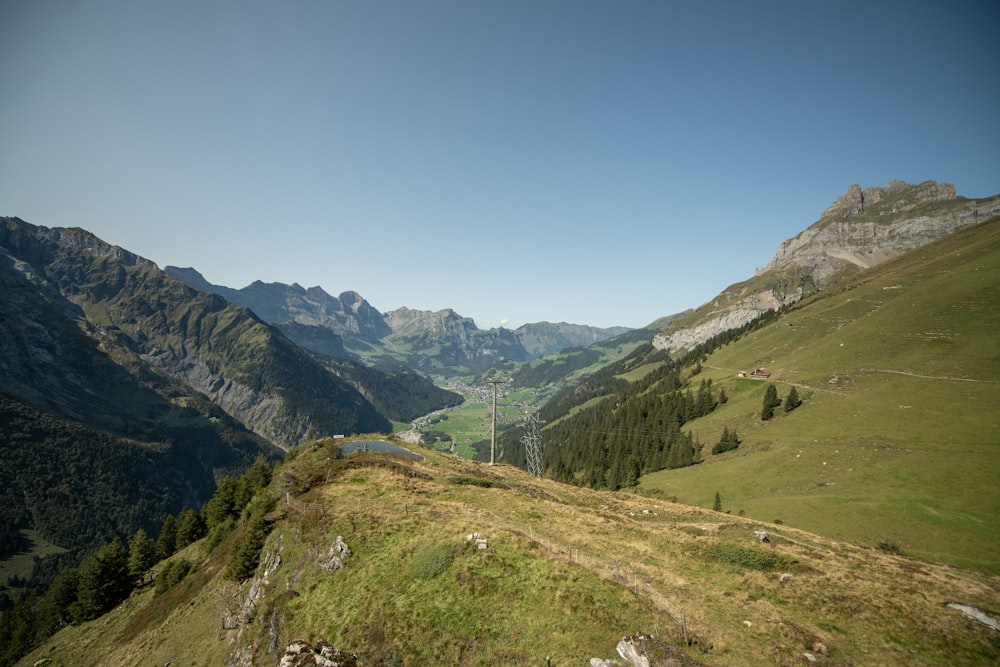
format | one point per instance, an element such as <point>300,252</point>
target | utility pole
<point>493,426</point>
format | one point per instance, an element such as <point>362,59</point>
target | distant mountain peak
<point>441,341</point>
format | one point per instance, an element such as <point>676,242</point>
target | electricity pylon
<point>533,445</point>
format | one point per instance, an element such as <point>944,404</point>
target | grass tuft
<point>431,560</point>
<point>751,558</point>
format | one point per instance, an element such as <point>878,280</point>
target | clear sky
<point>602,163</point>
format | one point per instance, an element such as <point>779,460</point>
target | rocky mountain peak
<point>905,196</point>
<point>864,227</point>
<point>861,228</point>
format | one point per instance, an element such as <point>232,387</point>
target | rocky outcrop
<point>335,556</point>
<point>642,650</point>
<point>861,228</point>
<point>899,195</point>
<point>245,612</point>
<point>243,608</point>
<point>733,317</point>
<point>302,654</point>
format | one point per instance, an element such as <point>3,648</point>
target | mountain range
<point>442,342</point>
<point>130,392</point>
<point>108,365</point>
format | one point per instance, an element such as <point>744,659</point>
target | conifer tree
<point>717,505</point>
<point>166,544</point>
<point>53,609</point>
<point>727,442</point>
<point>246,554</point>
<point>143,554</point>
<point>103,581</point>
<point>190,527</point>
<point>771,401</point>
<point>223,503</point>
<point>792,401</point>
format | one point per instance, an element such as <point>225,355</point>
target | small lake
<point>379,446</point>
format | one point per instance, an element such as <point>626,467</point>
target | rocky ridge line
<point>860,229</point>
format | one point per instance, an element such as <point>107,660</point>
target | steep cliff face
<point>731,317</point>
<point>861,228</point>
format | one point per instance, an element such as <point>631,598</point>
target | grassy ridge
<point>567,572</point>
<point>898,436</point>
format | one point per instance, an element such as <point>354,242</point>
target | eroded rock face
<point>744,311</point>
<point>862,228</point>
<point>866,227</point>
<point>301,654</point>
<point>335,557</point>
<point>642,650</point>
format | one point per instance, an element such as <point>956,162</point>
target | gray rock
<point>860,229</point>
<point>334,559</point>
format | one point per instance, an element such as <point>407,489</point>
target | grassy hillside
<point>898,436</point>
<point>565,574</point>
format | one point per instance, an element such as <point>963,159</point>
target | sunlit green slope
<point>898,436</point>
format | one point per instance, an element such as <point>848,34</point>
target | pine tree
<point>771,401</point>
<point>717,505</point>
<point>143,554</point>
<point>103,581</point>
<point>166,544</point>
<point>53,609</point>
<point>190,527</point>
<point>727,442</point>
<point>792,401</point>
<point>223,503</point>
<point>246,554</point>
<point>259,474</point>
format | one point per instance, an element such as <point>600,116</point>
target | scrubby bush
<point>753,558</point>
<point>727,442</point>
<point>171,575</point>
<point>472,481</point>
<point>430,561</point>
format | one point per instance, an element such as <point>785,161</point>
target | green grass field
<point>898,436</point>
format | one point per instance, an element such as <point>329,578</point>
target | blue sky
<point>602,163</point>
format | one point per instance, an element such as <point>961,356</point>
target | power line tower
<point>533,445</point>
<point>493,425</point>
